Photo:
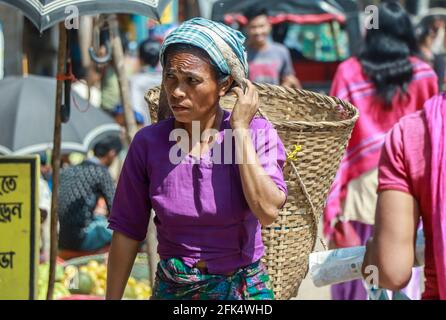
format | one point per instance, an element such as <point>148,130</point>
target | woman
<point>385,82</point>
<point>412,182</point>
<point>209,202</point>
<point>425,38</point>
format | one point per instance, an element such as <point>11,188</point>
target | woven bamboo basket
<point>321,127</point>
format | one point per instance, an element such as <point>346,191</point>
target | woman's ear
<point>225,86</point>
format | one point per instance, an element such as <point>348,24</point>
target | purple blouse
<point>201,211</point>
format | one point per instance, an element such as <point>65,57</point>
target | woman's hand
<point>245,107</point>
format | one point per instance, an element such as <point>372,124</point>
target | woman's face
<point>191,85</point>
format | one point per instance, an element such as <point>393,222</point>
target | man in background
<point>86,193</point>
<point>269,62</point>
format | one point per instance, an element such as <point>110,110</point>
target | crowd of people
<point>386,82</point>
<point>390,183</point>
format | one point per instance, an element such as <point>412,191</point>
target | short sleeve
<point>287,68</point>
<point>131,205</point>
<point>392,170</point>
<point>271,153</point>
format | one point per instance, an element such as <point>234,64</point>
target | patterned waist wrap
<point>177,281</point>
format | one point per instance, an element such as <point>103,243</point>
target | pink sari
<point>364,148</point>
<point>435,112</point>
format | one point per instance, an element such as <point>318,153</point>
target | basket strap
<point>305,191</point>
<point>313,209</point>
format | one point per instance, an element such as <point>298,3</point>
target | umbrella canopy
<point>27,113</point>
<point>302,11</point>
<point>46,13</point>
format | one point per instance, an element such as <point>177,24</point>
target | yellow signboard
<point>19,225</point>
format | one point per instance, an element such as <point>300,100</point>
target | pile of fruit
<point>90,279</point>
<point>60,290</point>
<point>87,279</point>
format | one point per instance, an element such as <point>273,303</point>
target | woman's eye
<point>170,76</point>
<point>193,81</point>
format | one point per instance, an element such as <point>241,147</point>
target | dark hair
<point>422,32</point>
<point>255,11</point>
<point>385,55</point>
<point>181,47</point>
<point>149,52</point>
<point>107,144</point>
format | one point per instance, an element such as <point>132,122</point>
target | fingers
<point>238,91</point>
<point>250,89</point>
<point>250,96</point>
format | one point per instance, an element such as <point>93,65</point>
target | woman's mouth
<point>178,108</point>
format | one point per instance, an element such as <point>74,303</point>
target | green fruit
<point>44,270</point>
<point>85,284</point>
<point>60,291</point>
<point>42,283</point>
<point>130,293</point>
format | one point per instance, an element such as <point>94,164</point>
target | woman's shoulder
<point>259,123</point>
<point>411,130</point>
<point>155,133</point>
<point>350,69</point>
<point>413,121</point>
<point>423,73</point>
<point>256,123</point>
<point>351,64</point>
<point>419,64</point>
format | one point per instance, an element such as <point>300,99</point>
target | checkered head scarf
<point>223,44</point>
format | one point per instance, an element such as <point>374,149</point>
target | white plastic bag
<point>342,265</point>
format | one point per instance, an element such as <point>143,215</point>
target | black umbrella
<point>27,110</point>
<point>46,13</point>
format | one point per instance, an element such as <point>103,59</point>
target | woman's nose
<point>178,92</point>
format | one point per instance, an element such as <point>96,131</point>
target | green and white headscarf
<point>223,44</point>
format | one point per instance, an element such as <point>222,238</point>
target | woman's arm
<point>120,262</point>
<point>262,195</point>
<point>392,249</point>
<point>130,216</point>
